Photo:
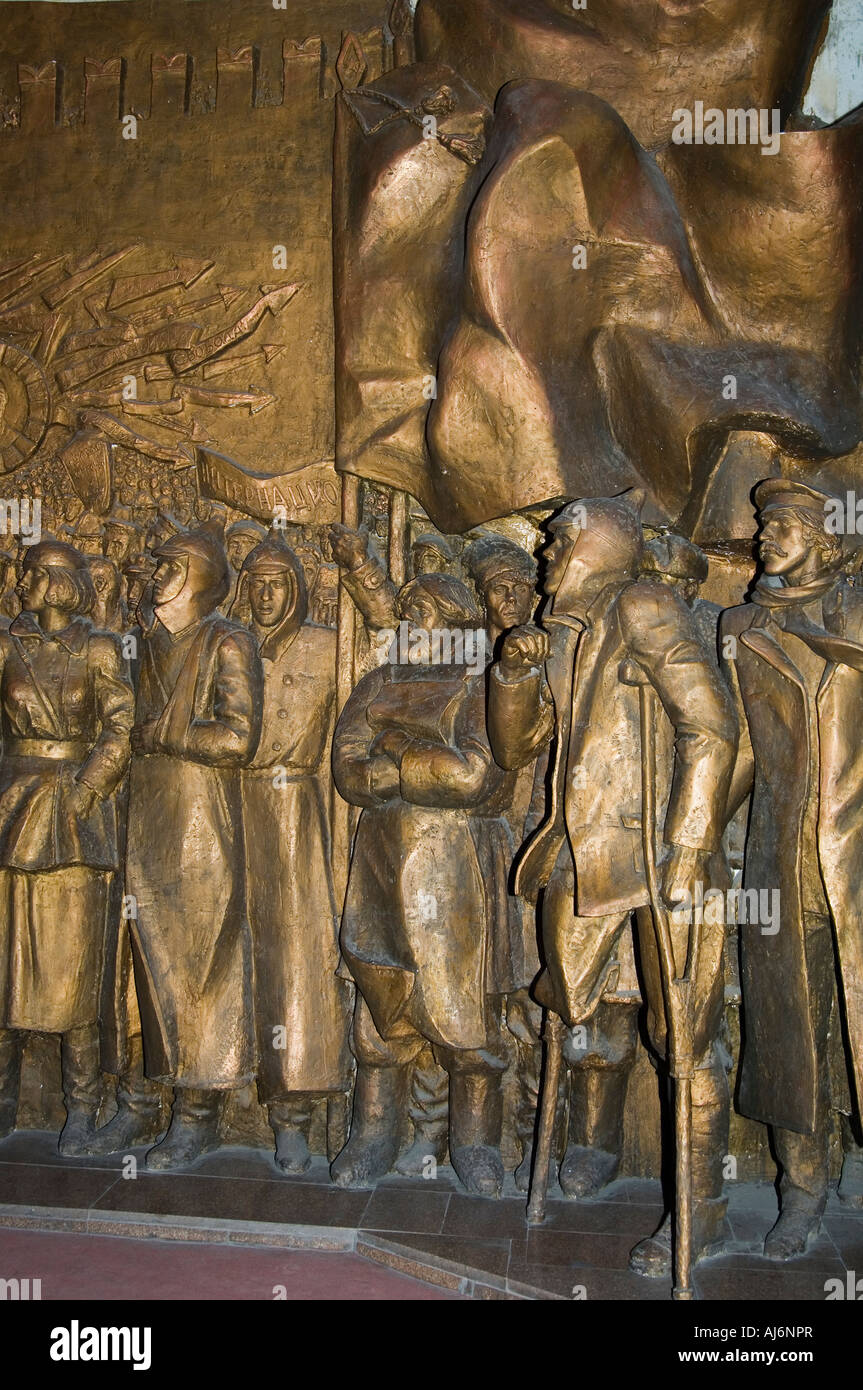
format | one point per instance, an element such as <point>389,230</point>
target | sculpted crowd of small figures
<point>533,815</point>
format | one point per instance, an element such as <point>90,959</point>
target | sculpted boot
<point>290,1120</point>
<point>592,1157</point>
<point>194,1130</point>
<point>10,1079</point>
<point>802,1192</point>
<point>851,1181</point>
<point>379,1100</point>
<point>653,1259</point>
<point>429,1110</point>
<point>138,1119</point>
<point>798,1225</point>
<point>475,1107</point>
<point>79,1062</point>
<point>599,1070</point>
<point>711,1104</point>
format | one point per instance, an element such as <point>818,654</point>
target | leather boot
<point>10,1078</point>
<point>194,1130</point>
<point>82,1081</point>
<point>290,1120</point>
<point>379,1100</point>
<point>474,1131</point>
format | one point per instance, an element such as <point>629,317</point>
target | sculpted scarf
<point>786,604</point>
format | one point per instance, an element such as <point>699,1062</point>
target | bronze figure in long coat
<point>411,748</point>
<point>302,1007</point>
<point>198,723</point>
<point>576,684</point>
<point>794,658</point>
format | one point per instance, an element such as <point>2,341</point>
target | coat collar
<point>73,638</point>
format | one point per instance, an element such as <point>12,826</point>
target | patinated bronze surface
<point>429,596</point>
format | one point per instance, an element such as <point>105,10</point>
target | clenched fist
<point>350,548</point>
<point>522,649</point>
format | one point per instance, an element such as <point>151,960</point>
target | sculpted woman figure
<point>66,710</point>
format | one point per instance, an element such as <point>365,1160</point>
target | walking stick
<point>679,997</point>
<point>553,1034</point>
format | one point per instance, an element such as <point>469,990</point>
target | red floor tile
<point>112,1268</point>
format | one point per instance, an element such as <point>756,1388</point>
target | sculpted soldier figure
<point>794,658</point>
<point>367,581</point>
<point>109,612</point>
<point>417,929</point>
<point>67,707</point>
<point>575,684</point>
<point>240,538</point>
<point>505,577</point>
<point>302,1008</point>
<point>602,1054</point>
<point>198,723</point>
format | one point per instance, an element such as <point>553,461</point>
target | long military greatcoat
<point>781,726</point>
<point>302,1008</point>
<point>191,941</point>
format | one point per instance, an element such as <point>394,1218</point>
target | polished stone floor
<point>429,1230</point>
<point>116,1268</point>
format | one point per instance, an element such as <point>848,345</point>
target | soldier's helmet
<point>273,556</point>
<point>204,548</point>
<point>611,526</point>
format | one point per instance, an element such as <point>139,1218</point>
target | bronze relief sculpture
<point>607,633</point>
<point>793,659</point>
<point>302,1007</point>
<point>322,787</point>
<point>412,750</point>
<point>68,708</point>
<point>198,721</point>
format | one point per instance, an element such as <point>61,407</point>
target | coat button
<point>282,713</point>
<point>287,680</point>
<point>277,748</point>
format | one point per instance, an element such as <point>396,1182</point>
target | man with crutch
<point>618,657</point>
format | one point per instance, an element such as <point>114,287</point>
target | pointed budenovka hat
<point>614,521</point>
<point>273,556</point>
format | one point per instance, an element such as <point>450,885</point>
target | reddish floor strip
<point>109,1268</point>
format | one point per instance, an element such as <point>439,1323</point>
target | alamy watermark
<point>759,907</point>
<point>736,126</point>
<point>21,517</point>
<point>442,646</point>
